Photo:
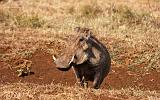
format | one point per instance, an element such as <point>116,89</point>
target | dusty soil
<point>46,73</point>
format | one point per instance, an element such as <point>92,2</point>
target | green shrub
<point>29,21</point>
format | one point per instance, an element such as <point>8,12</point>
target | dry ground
<point>36,29</point>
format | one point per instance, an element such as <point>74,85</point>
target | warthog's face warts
<point>75,53</point>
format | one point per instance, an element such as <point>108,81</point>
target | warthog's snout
<point>62,65</point>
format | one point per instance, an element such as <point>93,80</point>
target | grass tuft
<point>33,21</point>
<point>89,10</point>
<point>5,17</point>
<point>125,15</point>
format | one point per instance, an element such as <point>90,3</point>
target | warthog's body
<point>88,57</point>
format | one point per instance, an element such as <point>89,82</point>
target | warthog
<point>88,57</point>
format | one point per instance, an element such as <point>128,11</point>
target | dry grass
<point>60,92</point>
<point>130,30</point>
<point>136,26</point>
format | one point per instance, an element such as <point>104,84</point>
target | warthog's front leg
<point>84,82</point>
<point>78,76</point>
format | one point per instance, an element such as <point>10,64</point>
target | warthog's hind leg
<point>97,80</point>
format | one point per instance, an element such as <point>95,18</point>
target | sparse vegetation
<point>29,21</point>
<point>125,15</point>
<point>90,11</point>
<point>60,92</point>
<point>3,16</point>
<point>130,30</point>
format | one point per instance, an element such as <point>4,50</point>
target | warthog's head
<point>75,53</point>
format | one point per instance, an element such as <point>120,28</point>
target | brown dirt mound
<point>46,73</point>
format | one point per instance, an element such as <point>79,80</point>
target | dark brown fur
<point>91,60</point>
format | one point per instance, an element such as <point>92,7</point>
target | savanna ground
<point>37,29</point>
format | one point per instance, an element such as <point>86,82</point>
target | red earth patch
<point>46,73</point>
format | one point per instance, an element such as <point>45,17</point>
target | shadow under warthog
<point>88,57</point>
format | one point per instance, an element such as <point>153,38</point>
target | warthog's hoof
<point>82,84</point>
<point>85,84</point>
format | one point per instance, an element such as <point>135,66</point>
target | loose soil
<point>46,73</point>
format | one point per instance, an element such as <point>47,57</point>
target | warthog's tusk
<point>71,60</point>
<point>54,57</point>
